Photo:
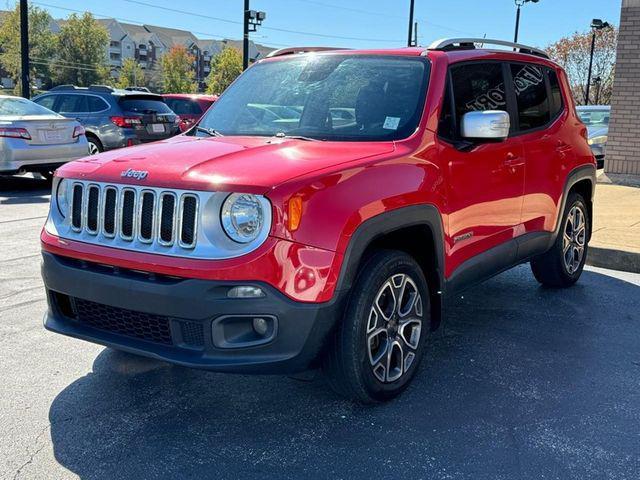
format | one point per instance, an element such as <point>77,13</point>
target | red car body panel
<point>508,189</point>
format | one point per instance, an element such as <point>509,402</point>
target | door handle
<point>512,160</point>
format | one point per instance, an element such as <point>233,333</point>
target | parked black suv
<point>113,118</point>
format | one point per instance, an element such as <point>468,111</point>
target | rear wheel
<point>95,146</point>
<point>377,347</point>
<point>562,265</point>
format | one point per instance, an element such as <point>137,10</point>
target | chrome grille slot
<point>93,204</point>
<point>110,205</point>
<point>188,220</point>
<point>167,218</point>
<point>76,207</point>
<point>146,216</point>
<point>127,216</point>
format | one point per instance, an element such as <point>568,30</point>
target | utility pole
<point>415,34</point>
<point>24,48</point>
<point>410,37</point>
<point>596,24</point>
<point>252,20</point>
<point>245,38</point>
<point>519,4</point>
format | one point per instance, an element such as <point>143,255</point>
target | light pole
<point>596,24</point>
<point>252,19</point>
<point>519,4</point>
<point>410,38</point>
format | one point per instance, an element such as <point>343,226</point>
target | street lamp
<point>519,4</point>
<point>596,24</point>
<point>252,19</point>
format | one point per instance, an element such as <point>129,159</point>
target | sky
<point>354,23</point>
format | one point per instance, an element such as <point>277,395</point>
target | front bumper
<point>185,310</point>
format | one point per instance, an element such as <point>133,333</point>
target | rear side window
<point>183,107</point>
<point>73,104</point>
<point>143,105</point>
<point>531,96</point>
<point>96,104</point>
<point>557,104</point>
<point>476,87</point>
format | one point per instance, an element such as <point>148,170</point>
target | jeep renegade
<point>322,212</point>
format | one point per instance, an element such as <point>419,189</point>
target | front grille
<point>150,216</point>
<point>144,326</point>
<point>130,323</point>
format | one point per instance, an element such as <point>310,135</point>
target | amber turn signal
<point>294,213</point>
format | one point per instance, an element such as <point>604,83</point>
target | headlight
<point>600,140</point>
<point>62,197</point>
<point>242,217</point>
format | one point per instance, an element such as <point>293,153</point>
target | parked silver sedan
<point>35,139</point>
<point>596,118</point>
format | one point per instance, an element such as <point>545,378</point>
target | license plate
<point>157,128</point>
<point>53,135</point>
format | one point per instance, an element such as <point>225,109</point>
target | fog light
<point>261,326</point>
<point>245,291</point>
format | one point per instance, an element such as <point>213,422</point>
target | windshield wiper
<point>297,137</point>
<point>209,131</point>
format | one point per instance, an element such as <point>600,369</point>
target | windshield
<point>324,97</point>
<point>592,118</point>
<point>19,106</point>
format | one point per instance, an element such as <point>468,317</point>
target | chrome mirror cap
<point>490,125</point>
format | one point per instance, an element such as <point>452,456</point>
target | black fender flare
<point>385,223</point>
<point>578,174</point>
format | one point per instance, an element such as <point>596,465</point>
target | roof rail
<point>63,87</point>
<point>294,50</point>
<point>448,44</point>
<point>101,88</point>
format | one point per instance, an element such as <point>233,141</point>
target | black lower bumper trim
<point>171,318</point>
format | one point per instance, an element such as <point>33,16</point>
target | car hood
<point>596,131</point>
<point>248,164</point>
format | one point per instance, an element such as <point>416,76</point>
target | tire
<point>95,146</point>
<point>562,265</point>
<point>356,364</point>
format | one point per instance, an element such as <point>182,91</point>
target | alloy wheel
<point>93,148</point>
<point>394,327</point>
<point>574,239</point>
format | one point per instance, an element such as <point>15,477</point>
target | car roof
<point>191,96</point>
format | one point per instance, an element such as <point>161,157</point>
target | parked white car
<point>35,139</point>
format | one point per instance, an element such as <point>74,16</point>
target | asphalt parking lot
<point>524,382</point>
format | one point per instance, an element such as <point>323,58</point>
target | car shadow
<point>23,190</point>
<point>523,382</point>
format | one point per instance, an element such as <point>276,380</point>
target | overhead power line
<point>286,30</point>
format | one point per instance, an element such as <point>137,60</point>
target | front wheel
<point>377,347</point>
<point>95,146</point>
<point>562,265</point>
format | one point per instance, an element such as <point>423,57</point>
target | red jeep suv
<point>322,212</point>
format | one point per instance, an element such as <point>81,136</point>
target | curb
<point>613,259</point>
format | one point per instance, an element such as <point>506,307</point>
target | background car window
<point>16,106</point>
<point>531,96</point>
<point>96,104</point>
<point>143,105</point>
<point>556,94</point>
<point>477,87</point>
<point>183,107</point>
<point>73,104</point>
<point>46,102</point>
<point>592,117</point>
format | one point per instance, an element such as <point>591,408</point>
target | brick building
<point>623,146</point>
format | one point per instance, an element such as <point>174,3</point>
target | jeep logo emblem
<point>136,174</point>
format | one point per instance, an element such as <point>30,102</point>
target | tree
<point>573,54</point>
<point>177,71</point>
<point>131,74</point>
<point>81,57</point>
<point>226,66</point>
<point>41,44</point>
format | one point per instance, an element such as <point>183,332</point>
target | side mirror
<point>487,125</point>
